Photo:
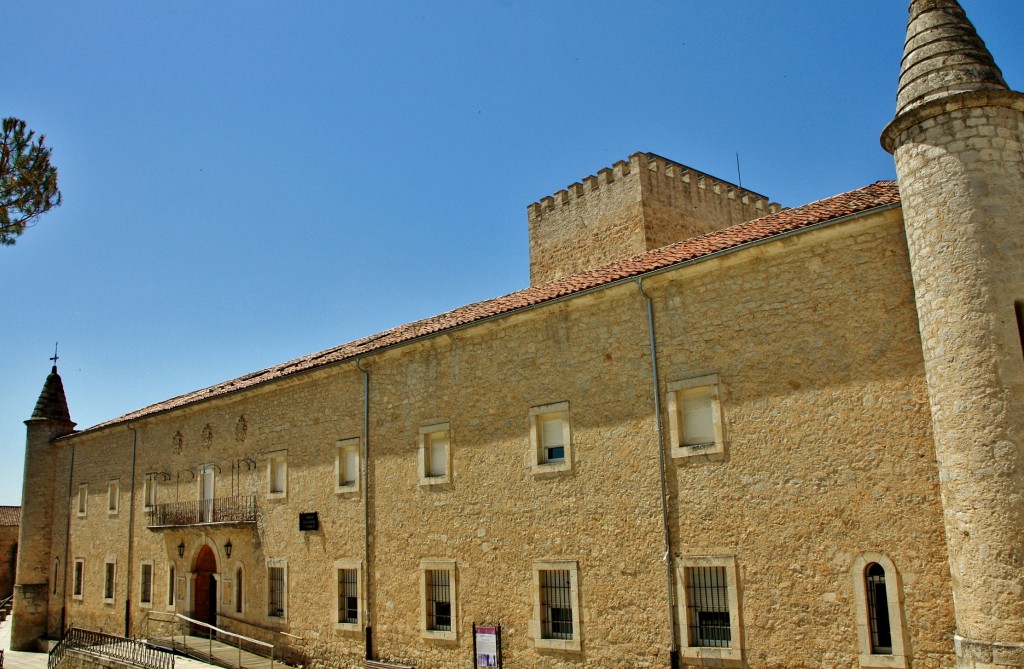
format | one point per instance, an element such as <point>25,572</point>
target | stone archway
<point>204,600</point>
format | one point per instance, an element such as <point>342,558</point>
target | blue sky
<point>248,182</point>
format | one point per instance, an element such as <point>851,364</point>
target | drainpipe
<point>366,509</point>
<point>666,531</point>
<point>131,536</point>
<point>67,546</point>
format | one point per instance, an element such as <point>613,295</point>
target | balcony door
<point>206,494</point>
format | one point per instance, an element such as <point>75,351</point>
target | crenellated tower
<point>633,206</point>
<point>40,516</point>
<point>958,141</point>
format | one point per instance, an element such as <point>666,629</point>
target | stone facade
<point>789,442</point>
<point>10,518</point>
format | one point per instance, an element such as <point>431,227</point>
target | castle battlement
<point>635,205</point>
<point>673,174</point>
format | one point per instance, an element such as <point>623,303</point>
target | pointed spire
<point>943,56</point>
<point>52,404</point>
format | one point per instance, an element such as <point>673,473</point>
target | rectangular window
<point>346,465</point>
<point>277,474</point>
<point>1018,309</point>
<point>439,600</point>
<point>238,591</point>
<point>707,597</point>
<point>557,621</point>
<point>170,587</point>
<point>83,499</point>
<point>276,590</point>
<point>555,604</point>
<point>437,590</point>
<point>109,573</point>
<point>550,438</point>
<point>695,418</point>
<point>435,454</point>
<point>709,608</point>
<point>146,584</point>
<point>150,491</point>
<point>113,497</point>
<point>77,579</point>
<point>348,596</point>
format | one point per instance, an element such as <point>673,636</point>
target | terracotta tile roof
<point>10,516</point>
<point>880,194</point>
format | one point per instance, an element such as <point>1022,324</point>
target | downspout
<point>131,536</point>
<point>666,532</point>
<point>67,546</point>
<point>368,628</point>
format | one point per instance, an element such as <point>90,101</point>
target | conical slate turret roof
<point>52,404</point>
<point>943,56</point>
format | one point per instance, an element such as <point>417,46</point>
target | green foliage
<point>28,182</point>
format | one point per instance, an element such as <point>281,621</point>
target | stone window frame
<point>172,595</point>
<point>277,563</point>
<point>142,582</point>
<point>357,626</point>
<point>439,564</point>
<point>78,579</point>
<point>538,464</point>
<point>900,656</point>
<point>341,447</point>
<point>710,655</point>
<point>677,447</point>
<point>149,491</point>
<point>83,500</point>
<point>113,496</point>
<point>110,566</point>
<point>535,626</point>
<point>423,456</point>
<point>274,457</point>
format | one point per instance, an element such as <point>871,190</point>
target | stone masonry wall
<point>829,455</point>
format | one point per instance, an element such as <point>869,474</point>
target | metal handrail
<point>129,651</point>
<point>235,509</point>
<point>212,631</point>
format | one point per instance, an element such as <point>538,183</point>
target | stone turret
<point>957,140</point>
<point>32,588</point>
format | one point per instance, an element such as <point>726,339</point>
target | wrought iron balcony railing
<point>237,509</point>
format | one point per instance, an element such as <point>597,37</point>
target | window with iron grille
<point>275,599</point>
<point>878,609</point>
<point>146,586</point>
<point>76,590</point>
<point>108,581</point>
<point>348,596</point>
<point>707,601</point>
<point>556,604</point>
<point>439,600</point>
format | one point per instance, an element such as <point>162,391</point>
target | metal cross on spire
<point>55,356</point>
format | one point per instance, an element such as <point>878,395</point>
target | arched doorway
<point>204,601</point>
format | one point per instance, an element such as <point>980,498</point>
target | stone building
<point>712,432</point>
<point>10,518</point>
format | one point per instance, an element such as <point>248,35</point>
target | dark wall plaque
<point>309,522</point>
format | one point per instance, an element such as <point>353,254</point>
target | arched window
<point>878,609</point>
<point>878,597</point>
<point>238,590</point>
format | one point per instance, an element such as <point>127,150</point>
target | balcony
<point>237,510</point>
